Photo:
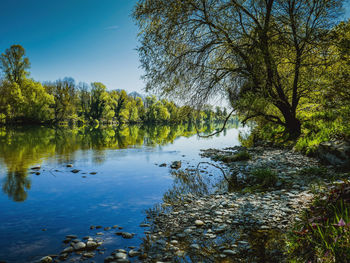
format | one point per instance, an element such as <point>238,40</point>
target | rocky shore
<point>244,223</point>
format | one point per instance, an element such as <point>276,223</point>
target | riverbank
<point>248,223</point>
<point>268,190</point>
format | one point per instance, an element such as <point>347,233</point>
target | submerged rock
<point>78,245</point>
<point>176,165</point>
<point>127,235</point>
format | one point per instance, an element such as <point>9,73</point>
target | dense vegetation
<point>24,100</point>
<point>284,64</point>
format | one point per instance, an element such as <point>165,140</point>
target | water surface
<point>39,210</point>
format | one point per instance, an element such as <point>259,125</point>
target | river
<point>119,176</point>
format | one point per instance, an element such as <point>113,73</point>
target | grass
<point>261,179</point>
<point>323,235</point>
<point>313,171</point>
<point>240,156</point>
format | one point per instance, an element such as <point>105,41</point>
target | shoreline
<point>246,223</point>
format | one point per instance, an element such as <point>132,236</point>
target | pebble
<point>46,259</point>
<point>78,245</point>
<point>199,223</point>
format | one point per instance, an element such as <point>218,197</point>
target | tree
<point>100,102</point>
<point>259,54</point>
<point>14,64</point>
<point>65,96</point>
<point>36,102</point>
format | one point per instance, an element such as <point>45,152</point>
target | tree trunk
<point>292,123</point>
<point>293,126</point>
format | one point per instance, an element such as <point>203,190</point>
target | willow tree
<point>259,54</point>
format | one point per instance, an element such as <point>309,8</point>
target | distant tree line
<point>24,100</point>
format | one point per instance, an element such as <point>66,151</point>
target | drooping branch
<point>216,132</point>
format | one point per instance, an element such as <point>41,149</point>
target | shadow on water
<point>25,147</point>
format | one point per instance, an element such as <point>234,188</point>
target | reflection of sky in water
<point>126,184</point>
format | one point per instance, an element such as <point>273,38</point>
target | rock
<point>92,227</point>
<point>127,235</point>
<point>71,236</point>
<point>176,165</point>
<point>107,228</point>
<point>63,256</point>
<point>93,173</point>
<point>133,253</point>
<point>199,223</point>
<point>109,259</point>
<point>91,245</point>
<point>69,165</point>
<point>229,252</point>
<point>88,254</point>
<point>99,234</point>
<point>67,250</point>
<point>46,259</point>
<point>162,165</point>
<point>78,245</point>
<point>75,171</point>
<point>195,246</point>
<point>37,173</point>
<point>36,167</point>
<point>174,242</point>
<point>161,242</point>
<point>144,225</point>
<point>335,153</point>
<point>120,255</point>
<point>98,227</point>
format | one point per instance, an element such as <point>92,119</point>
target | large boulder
<point>335,153</point>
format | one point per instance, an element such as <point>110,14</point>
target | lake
<point>120,174</point>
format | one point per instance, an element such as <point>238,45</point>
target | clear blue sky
<point>89,40</point>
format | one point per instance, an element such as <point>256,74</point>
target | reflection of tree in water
<point>15,185</point>
<point>22,148</point>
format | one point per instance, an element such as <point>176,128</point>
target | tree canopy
<point>14,64</point>
<point>259,54</point>
<point>63,101</point>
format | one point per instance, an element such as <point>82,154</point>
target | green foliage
<point>264,56</point>
<point>313,171</point>
<point>323,235</point>
<point>263,178</point>
<point>63,102</point>
<point>240,156</point>
<point>14,64</point>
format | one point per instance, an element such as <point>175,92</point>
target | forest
<point>24,100</point>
